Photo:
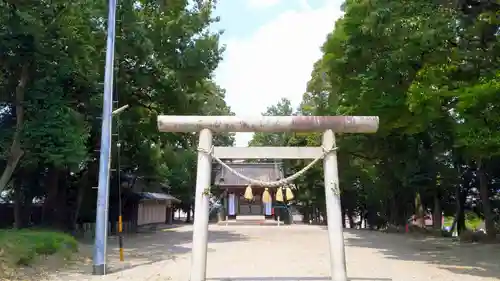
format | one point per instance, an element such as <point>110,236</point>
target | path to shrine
<point>295,253</point>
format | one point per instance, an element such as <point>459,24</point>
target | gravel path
<point>297,253</point>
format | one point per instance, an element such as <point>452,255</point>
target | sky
<point>271,46</point>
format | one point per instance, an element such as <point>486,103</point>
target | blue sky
<point>271,48</point>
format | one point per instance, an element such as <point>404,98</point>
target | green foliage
<point>22,247</point>
<point>56,137</point>
<point>164,63</point>
<point>472,220</point>
<point>282,108</point>
<point>430,72</point>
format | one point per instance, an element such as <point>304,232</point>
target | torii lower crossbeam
<point>326,124</point>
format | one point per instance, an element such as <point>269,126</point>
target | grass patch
<point>23,247</point>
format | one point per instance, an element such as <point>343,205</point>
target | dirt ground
<point>292,253</point>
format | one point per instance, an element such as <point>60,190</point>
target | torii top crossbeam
<point>339,124</point>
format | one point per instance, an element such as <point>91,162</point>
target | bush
<point>21,247</point>
<point>472,220</point>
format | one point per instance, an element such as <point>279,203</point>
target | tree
<point>52,59</point>
<point>282,108</point>
<point>429,71</point>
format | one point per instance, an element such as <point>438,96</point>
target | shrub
<point>21,247</point>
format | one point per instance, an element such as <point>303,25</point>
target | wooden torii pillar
<point>206,125</point>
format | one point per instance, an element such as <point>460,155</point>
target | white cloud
<point>262,4</point>
<point>276,61</point>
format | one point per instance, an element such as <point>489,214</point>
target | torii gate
<point>206,125</point>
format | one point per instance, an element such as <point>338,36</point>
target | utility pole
<point>101,229</point>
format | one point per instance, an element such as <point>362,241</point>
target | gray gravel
<point>296,253</point>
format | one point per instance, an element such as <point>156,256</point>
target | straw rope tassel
<point>266,196</point>
<point>279,195</point>
<point>248,193</point>
<point>289,193</point>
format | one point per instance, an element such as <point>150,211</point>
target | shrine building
<point>234,188</point>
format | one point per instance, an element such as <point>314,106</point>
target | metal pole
<point>118,175</point>
<point>200,228</point>
<point>101,230</point>
<point>334,211</point>
<point>120,110</point>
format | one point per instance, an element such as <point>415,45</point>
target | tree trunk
<point>350,217</point>
<point>459,220</point>
<point>79,199</point>
<point>52,186</point>
<point>306,214</point>
<point>18,203</point>
<point>419,211</point>
<point>393,210</point>
<point>323,214</point>
<point>484,192</point>
<point>430,166</point>
<point>83,184</point>
<point>15,152</point>
<point>437,213</point>
<point>461,196</point>
<point>188,215</point>
<point>27,207</point>
<point>343,218</point>
<point>61,210</point>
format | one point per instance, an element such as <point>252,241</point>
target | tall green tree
<point>430,71</point>
<point>52,59</point>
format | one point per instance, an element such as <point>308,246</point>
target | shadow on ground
<point>479,260</point>
<point>292,279</point>
<point>152,246</point>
